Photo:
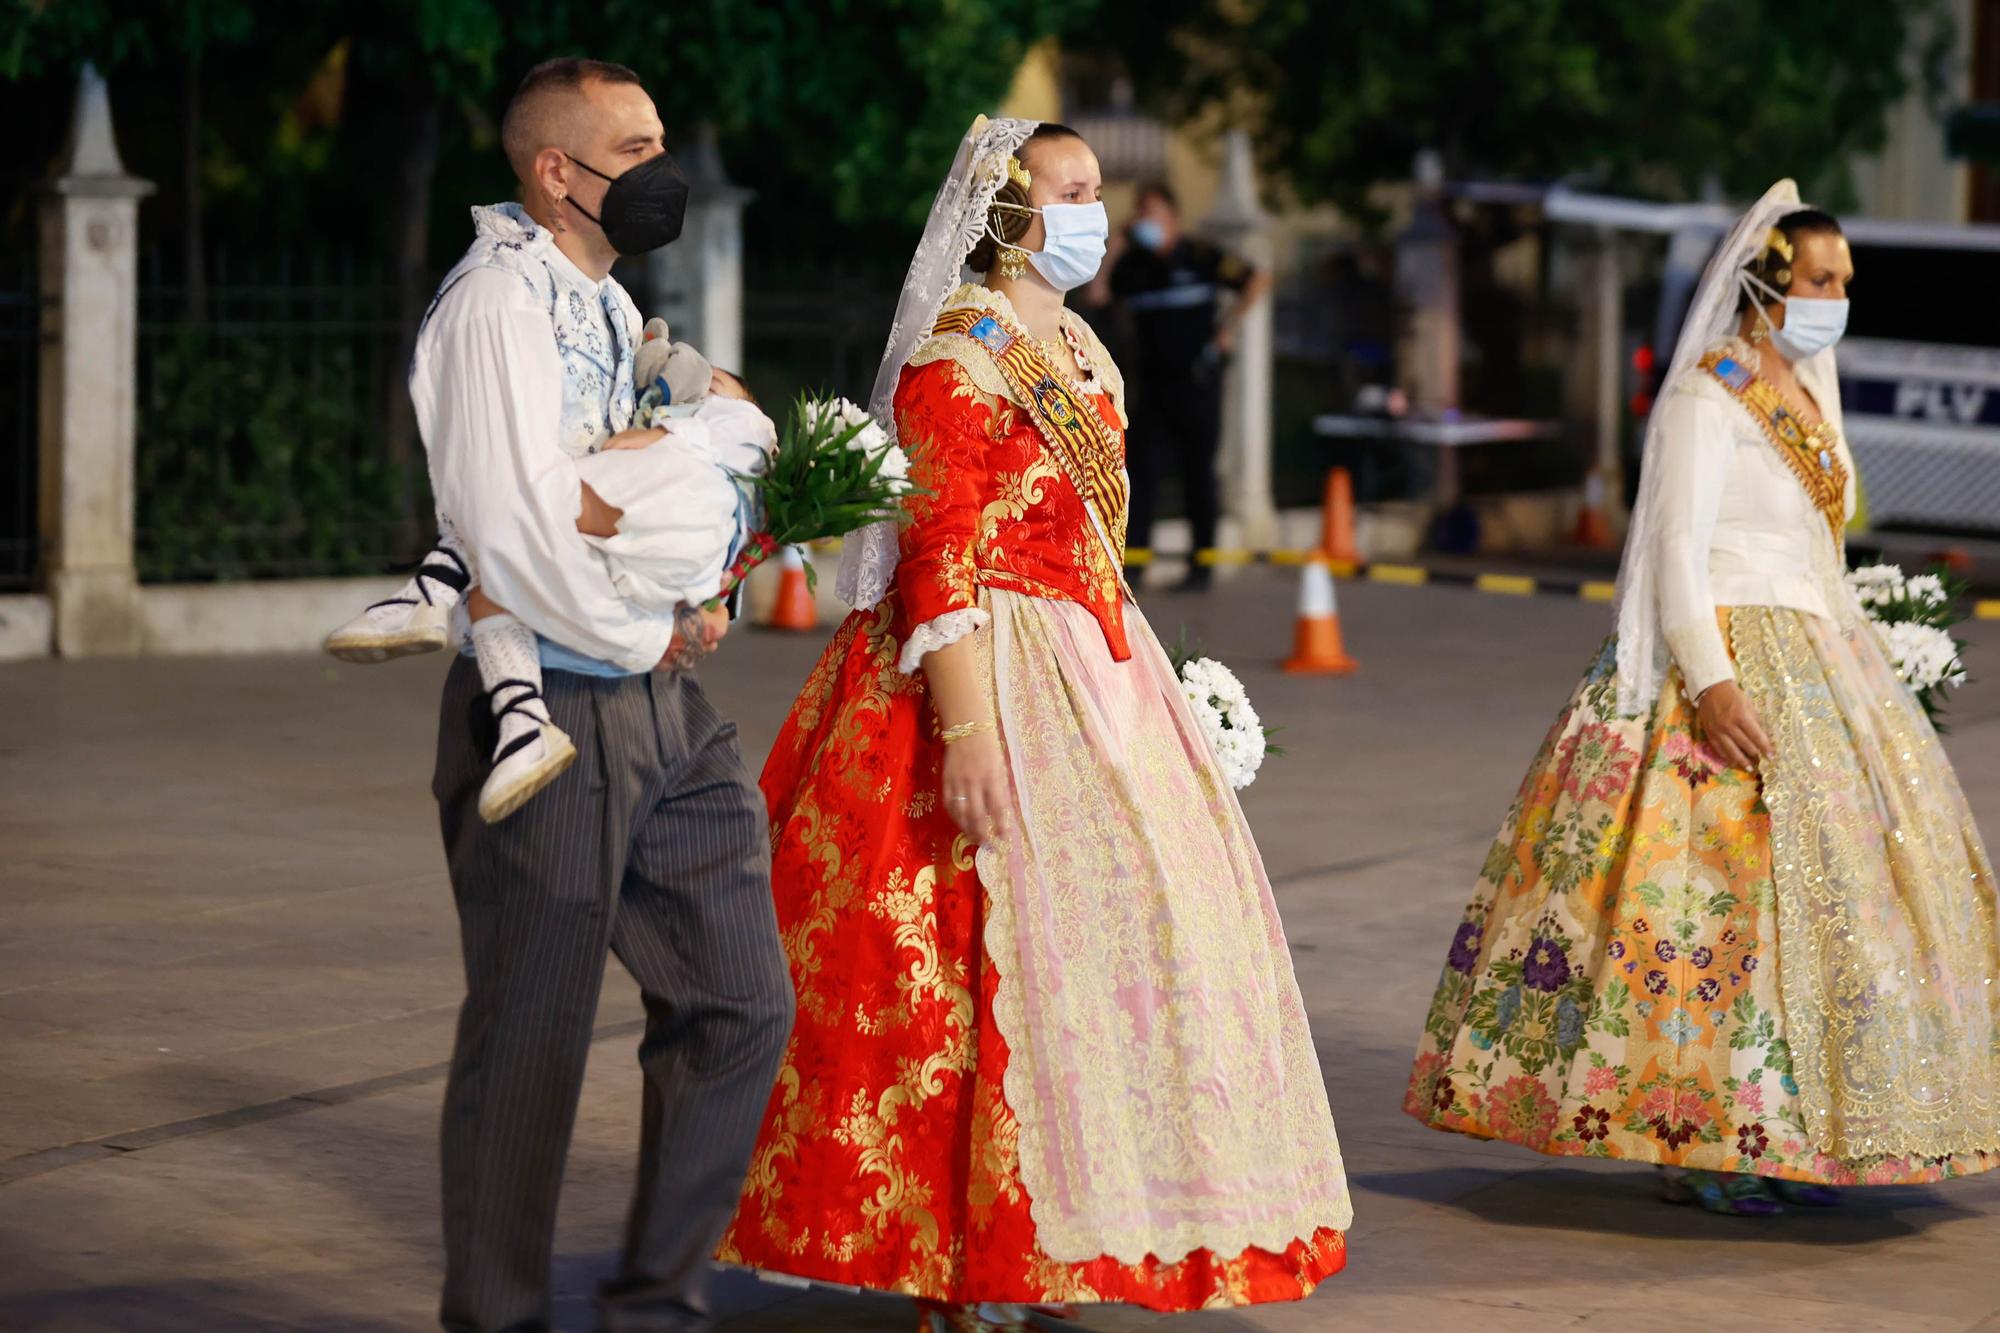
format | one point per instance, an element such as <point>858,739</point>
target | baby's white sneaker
<point>416,620</point>
<point>533,751</point>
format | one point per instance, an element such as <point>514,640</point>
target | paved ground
<point>228,970</point>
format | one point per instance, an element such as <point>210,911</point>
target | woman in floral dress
<point>1739,922</point>
<point>1050,1047</point>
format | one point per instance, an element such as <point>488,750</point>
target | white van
<point>1920,375</point>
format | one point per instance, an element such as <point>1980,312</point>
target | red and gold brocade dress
<point>1072,1065</point>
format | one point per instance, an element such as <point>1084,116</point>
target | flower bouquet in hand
<point>1914,617</point>
<point>1222,709</point>
<point>834,471</point>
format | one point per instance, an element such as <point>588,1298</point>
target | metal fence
<point>264,402</point>
<point>802,339</point>
<point>20,393</point>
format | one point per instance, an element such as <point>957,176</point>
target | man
<point>653,846</point>
<point>1169,284</point>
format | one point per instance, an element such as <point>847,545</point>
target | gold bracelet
<point>953,735</point>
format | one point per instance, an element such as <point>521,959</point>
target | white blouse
<point>1737,528</point>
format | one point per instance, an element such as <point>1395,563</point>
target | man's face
<point>620,128</point>
<point>1157,211</point>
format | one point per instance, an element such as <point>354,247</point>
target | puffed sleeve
<point>1695,446</point>
<point>944,423</point>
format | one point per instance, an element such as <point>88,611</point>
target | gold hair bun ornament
<point>1777,247</point>
<point>1018,173</point>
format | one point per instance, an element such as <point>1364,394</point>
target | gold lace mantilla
<point>1888,964</point>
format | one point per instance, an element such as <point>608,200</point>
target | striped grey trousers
<point>654,846</point>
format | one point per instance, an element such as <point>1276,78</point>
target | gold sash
<point>1087,446</point>
<point>1808,452</point>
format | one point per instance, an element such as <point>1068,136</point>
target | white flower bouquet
<point>1914,617</point>
<point>835,471</point>
<point>1221,706</point>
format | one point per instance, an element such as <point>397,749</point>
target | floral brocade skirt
<point>1789,973</point>
<point>1071,1066</point>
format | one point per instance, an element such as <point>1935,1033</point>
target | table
<point>1457,530</point>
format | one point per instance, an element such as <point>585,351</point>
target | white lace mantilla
<point>1100,372</point>
<point>957,221</point>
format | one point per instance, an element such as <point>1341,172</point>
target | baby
<point>679,530</point>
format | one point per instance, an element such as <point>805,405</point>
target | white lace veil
<point>1712,316</point>
<point>957,221</point>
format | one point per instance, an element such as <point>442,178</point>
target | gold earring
<point>560,225</point>
<point>1758,333</point>
<point>1013,264</point>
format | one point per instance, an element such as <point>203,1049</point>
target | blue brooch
<point>1732,372</point>
<point>989,334</point>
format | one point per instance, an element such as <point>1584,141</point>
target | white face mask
<point>1812,323</point>
<point>1074,237</point>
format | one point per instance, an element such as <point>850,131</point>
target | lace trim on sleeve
<point>942,632</point>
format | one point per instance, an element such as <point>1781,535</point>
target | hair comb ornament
<point>1778,247</point>
<point>1018,173</point>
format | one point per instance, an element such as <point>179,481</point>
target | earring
<point>1013,265</point>
<point>1758,333</point>
<point>559,224</point>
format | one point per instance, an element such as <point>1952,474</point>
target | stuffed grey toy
<point>668,374</point>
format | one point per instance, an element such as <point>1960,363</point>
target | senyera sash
<point>1807,451</point>
<point>1088,448</point>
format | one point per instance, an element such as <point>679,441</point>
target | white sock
<point>510,666</point>
<point>441,579</point>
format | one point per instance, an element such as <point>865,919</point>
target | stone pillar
<point>1427,296</point>
<point>1240,224</point>
<point>1607,319</point>
<point>697,282</point>
<point>89,369</point>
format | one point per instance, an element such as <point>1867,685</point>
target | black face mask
<point>644,208</point>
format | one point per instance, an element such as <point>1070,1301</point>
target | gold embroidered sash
<point>1083,442</point>
<point>1807,451</point>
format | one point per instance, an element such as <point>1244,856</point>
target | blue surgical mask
<point>1149,233</point>
<point>1074,237</point>
<point>1812,324</point>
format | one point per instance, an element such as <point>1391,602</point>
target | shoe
<point>380,634</point>
<point>1728,1193</point>
<point>985,1317</point>
<point>1807,1194</point>
<point>525,765</point>
<point>1199,579</point>
<point>416,620</point>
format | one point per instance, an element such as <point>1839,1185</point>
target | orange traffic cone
<point>1592,530</point>
<point>1316,647</point>
<point>1336,535</point>
<point>795,608</point>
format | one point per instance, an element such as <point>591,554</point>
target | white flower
<point>1222,709</point>
<point>1927,589</point>
<point>1923,655</point>
<point>896,465</point>
<point>1877,585</point>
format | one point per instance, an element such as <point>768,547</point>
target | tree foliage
<point>1656,97</point>
<point>862,100</point>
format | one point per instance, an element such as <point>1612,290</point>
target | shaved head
<point>552,109</point>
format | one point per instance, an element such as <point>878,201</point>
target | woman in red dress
<point>1049,1048</point>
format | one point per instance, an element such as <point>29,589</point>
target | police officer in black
<point>1169,285</point>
